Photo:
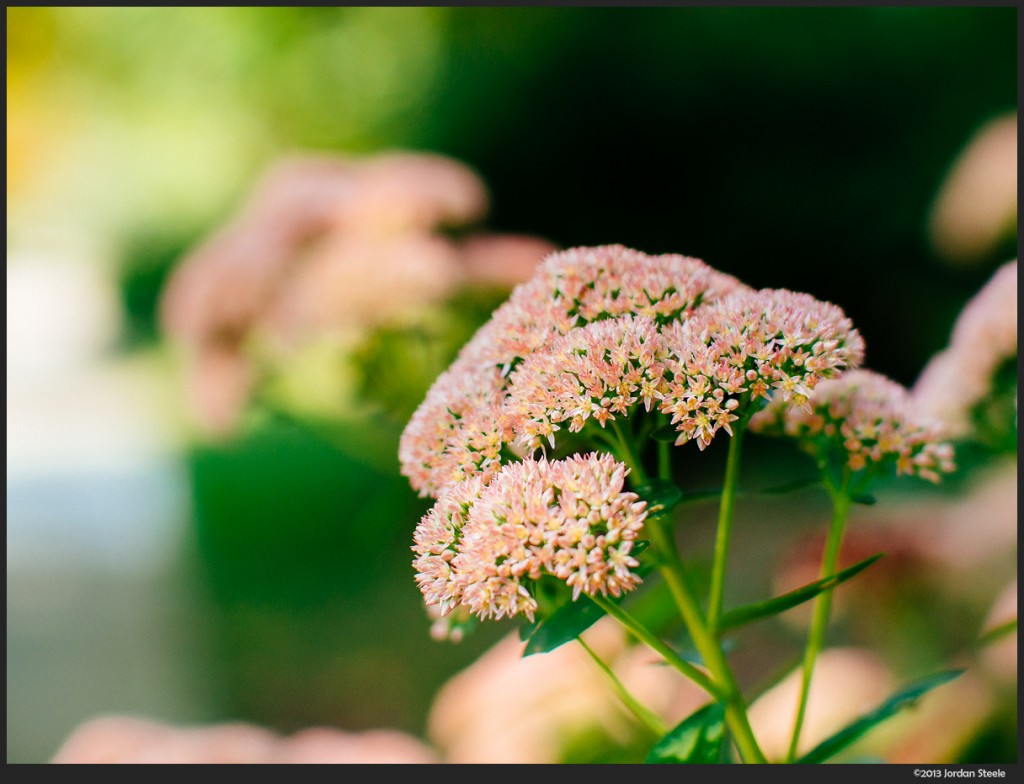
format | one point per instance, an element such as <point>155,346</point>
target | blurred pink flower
<point>310,252</point>
<point>847,683</point>
<point>503,260</point>
<point>132,740</point>
<point>983,337</point>
<point>508,709</point>
<point>977,204</point>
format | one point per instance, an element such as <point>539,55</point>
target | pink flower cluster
<point>600,371</point>
<point>593,335</point>
<point>867,418</point>
<point>984,336</point>
<point>765,344</point>
<point>702,371</point>
<point>482,545</point>
<point>459,428</point>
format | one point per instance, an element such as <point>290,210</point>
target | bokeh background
<point>264,575</point>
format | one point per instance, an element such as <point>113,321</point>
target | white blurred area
<point>97,512</point>
<point>91,470</point>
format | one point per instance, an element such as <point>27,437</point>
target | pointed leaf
<point>693,656</point>
<point>571,619</point>
<point>997,632</point>
<point>660,493</point>
<point>758,610</point>
<point>864,498</point>
<point>904,698</point>
<point>527,628</point>
<point>564,625</point>
<point>696,739</point>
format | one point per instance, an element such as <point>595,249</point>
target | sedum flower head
<point>483,546</point>
<point>435,542</point>
<point>867,418</point>
<point>575,287</point>
<point>458,430</point>
<point>461,426</point>
<point>748,346</point>
<point>597,372</point>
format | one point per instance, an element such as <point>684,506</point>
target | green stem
<point>822,606</point>
<point>664,460</point>
<point>645,715</point>
<point>625,454</point>
<point>725,509</point>
<point>706,642</point>
<point>643,634</point>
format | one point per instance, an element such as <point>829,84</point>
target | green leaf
<point>697,739</point>
<point>755,612</point>
<point>864,498</point>
<point>997,632</point>
<point>564,625</point>
<point>639,545</point>
<point>692,655</point>
<point>570,619</point>
<point>527,628</point>
<point>660,493</point>
<point>904,698</point>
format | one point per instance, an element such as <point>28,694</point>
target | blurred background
<point>199,537</point>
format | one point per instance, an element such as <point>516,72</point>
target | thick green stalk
<point>822,607</point>
<point>706,642</point>
<point>644,715</point>
<point>725,508</point>
<point>703,637</point>
<point>643,634</point>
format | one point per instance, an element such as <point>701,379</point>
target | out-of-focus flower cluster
<point>976,207</point>
<point>480,544</point>
<point>963,376</point>
<point>327,248</point>
<point>132,740</point>
<point>509,709</point>
<point>866,420</point>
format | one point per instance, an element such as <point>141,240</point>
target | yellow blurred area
<point>121,117</point>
